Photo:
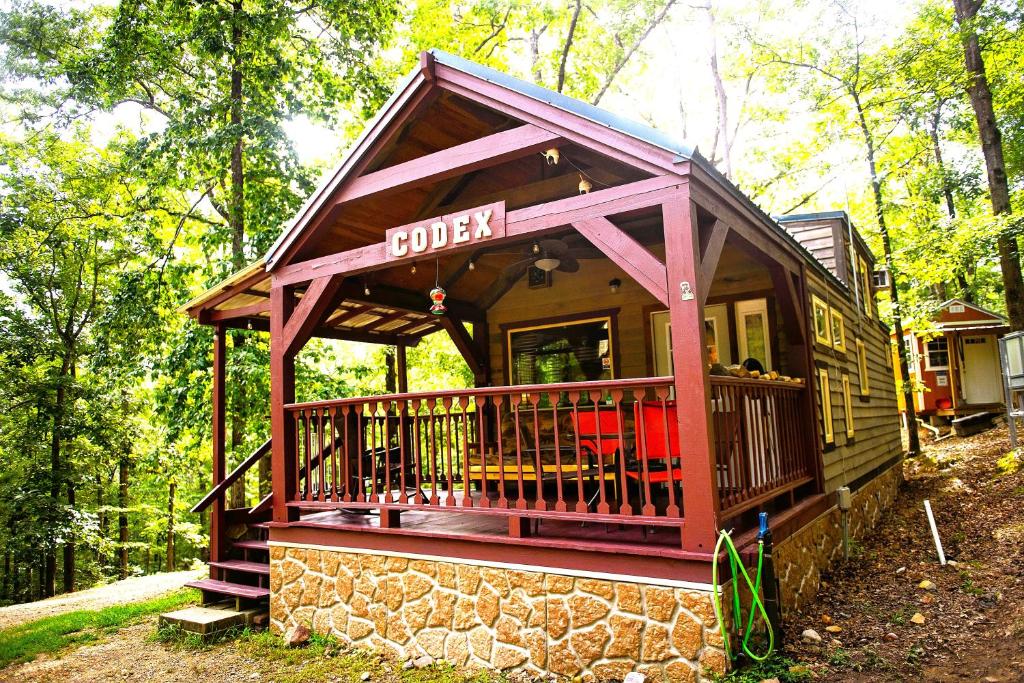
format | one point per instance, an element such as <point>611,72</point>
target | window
<point>862,368</point>
<point>822,326</point>
<point>847,405</point>
<point>575,351</point>
<point>866,291</point>
<point>936,354</point>
<point>752,332</point>
<point>825,392</point>
<point>838,330</point>
<point>881,278</point>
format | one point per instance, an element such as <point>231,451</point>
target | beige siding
<point>876,419</point>
<point>573,294</point>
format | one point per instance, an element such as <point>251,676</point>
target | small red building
<point>955,363</point>
<point>559,515</point>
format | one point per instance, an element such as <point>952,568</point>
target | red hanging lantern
<point>437,295</point>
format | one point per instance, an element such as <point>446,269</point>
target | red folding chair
<point>598,432</point>
<point>657,442</point>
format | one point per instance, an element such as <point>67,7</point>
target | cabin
<point>954,363</point>
<point>654,359</point>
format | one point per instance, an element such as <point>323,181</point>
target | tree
<point>992,148</point>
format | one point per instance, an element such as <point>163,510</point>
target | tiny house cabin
<point>654,360</point>
<point>955,364</point>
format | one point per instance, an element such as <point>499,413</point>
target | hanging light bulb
<point>552,156</point>
<point>248,324</point>
<point>585,185</point>
<point>366,289</point>
<point>472,265</point>
<point>413,269</point>
<point>536,248</point>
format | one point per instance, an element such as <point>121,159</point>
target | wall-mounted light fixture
<point>614,284</point>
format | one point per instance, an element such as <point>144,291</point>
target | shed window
<point>936,354</point>
<point>838,330</point>
<point>847,406</point>
<point>825,392</point>
<point>862,368</point>
<point>576,351</point>
<point>822,324</point>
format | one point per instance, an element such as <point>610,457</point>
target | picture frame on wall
<point>537,278</point>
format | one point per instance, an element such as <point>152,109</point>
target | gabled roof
<point>667,151</point>
<point>973,316</point>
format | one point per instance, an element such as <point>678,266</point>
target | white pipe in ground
<point>935,532</point>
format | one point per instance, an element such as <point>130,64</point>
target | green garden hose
<point>738,570</point>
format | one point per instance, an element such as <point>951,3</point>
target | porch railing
<point>599,451</point>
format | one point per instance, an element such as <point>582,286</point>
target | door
<point>752,333</point>
<point>980,374</point>
<point>716,335</point>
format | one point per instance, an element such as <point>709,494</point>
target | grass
<point>324,657</point>
<point>25,642</point>
<point>776,666</point>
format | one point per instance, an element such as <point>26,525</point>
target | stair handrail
<point>243,467</point>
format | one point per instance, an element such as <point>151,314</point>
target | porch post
<point>401,369</point>
<point>217,511</point>
<point>282,392</point>
<point>692,386</point>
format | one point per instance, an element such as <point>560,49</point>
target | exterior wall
<point>572,294</point>
<point>496,617</point>
<point>801,558</point>
<point>820,237</point>
<point>876,437</point>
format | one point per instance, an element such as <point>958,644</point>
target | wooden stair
<point>244,575</point>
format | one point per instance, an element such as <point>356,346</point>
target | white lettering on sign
<point>456,230</point>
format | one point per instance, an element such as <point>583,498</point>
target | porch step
<point>243,566</point>
<point>235,590</point>
<point>251,545</point>
<point>213,621</point>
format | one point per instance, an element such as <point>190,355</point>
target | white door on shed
<point>980,375</point>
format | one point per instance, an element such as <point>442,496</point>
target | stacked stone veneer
<point>494,617</point>
<point>801,558</point>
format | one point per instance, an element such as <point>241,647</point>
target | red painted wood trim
<point>518,224</point>
<point>710,256</point>
<point>240,312</point>
<point>218,491</point>
<point>700,488</point>
<point>464,343</point>
<point>218,398</point>
<point>265,504</point>
<point>401,369</point>
<point>485,152</point>
<point>356,334</point>
<point>310,312</point>
<point>637,262</point>
<point>201,310</point>
<point>282,392</point>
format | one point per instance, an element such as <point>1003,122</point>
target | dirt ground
<point>973,617</point>
<point>134,589</point>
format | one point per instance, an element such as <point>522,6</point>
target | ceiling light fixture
<point>547,263</point>
<point>614,285</point>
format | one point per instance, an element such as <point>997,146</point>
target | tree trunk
<point>567,45</point>
<point>992,149</point>
<point>56,475</point>
<point>104,522</point>
<point>122,517</point>
<point>914,441</point>
<point>963,287</point>
<point>170,526</point>
<point>722,135</point>
<point>390,372</point>
<point>69,548</point>
<point>5,593</point>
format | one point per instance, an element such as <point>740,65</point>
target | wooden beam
<point>282,392</point>
<point>310,311</point>
<point>228,293</point>
<point>217,492</point>
<point>240,312</point>
<point>692,386</point>
<point>628,254</point>
<point>519,224</point>
<point>485,152</point>
<point>465,344</point>
<point>401,368</point>
<point>355,334</point>
<point>217,530</point>
<point>793,313</point>
<point>710,255</point>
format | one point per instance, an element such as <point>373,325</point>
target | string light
<point>585,185</point>
<point>472,265</point>
<point>366,288</point>
<point>551,155</point>
<point>413,269</point>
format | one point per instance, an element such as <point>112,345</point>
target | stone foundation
<point>801,558</point>
<point>497,617</point>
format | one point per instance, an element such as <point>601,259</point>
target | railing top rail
<point>752,382</point>
<point>630,383</point>
<point>235,474</point>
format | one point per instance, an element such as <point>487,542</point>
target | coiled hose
<point>756,606</point>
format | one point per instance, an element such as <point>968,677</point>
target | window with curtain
<point>577,351</point>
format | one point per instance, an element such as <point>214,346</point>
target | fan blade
<point>568,264</point>
<point>554,248</point>
<point>518,265</point>
<point>585,253</point>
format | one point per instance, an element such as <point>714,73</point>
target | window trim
<point>862,368</point>
<point>816,304</point>
<point>928,355</point>
<point>825,393</point>
<point>840,343</point>
<point>583,318</point>
<point>848,406</point>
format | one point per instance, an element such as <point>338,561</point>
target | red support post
<point>692,385</point>
<point>217,511</point>
<point>282,392</point>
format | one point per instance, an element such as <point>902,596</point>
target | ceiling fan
<point>552,254</point>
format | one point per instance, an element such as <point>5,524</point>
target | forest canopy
<point>151,148</point>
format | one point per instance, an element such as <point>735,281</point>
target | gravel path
<point>130,590</point>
